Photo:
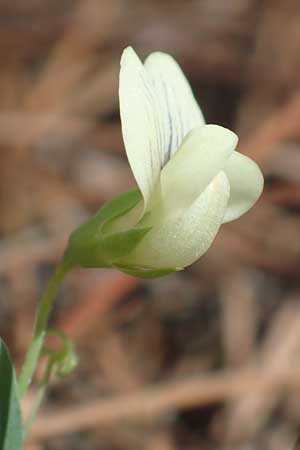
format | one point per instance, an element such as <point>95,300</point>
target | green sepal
<point>118,245</point>
<point>145,272</point>
<point>90,243</point>
<point>11,429</point>
<point>114,246</point>
<point>118,206</point>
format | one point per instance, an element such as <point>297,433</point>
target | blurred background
<point>204,359</point>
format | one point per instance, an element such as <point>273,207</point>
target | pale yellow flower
<point>191,178</point>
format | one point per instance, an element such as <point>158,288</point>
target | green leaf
<point>145,272</point>
<point>11,431</point>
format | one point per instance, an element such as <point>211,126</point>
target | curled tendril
<point>64,360</point>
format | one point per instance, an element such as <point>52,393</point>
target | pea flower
<point>190,178</point>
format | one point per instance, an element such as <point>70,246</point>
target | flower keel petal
<point>180,241</point>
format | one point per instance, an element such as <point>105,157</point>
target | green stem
<point>39,398</point>
<point>43,312</point>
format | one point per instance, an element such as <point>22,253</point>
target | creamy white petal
<point>178,109</point>
<point>246,185</point>
<point>140,127</point>
<point>180,241</point>
<point>203,154</point>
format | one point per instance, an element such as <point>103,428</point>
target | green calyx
<point>99,242</point>
<point>95,244</point>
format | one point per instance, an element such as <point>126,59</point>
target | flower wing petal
<point>180,241</point>
<point>140,128</point>
<point>246,185</point>
<point>203,154</point>
<point>178,108</point>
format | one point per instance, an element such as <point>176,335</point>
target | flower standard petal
<point>201,157</point>
<point>246,185</point>
<point>178,108</point>
<point>181,240</point>
<point>140,127</point>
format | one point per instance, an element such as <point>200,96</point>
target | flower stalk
<point>40,328</point>
<point>39,398</point>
